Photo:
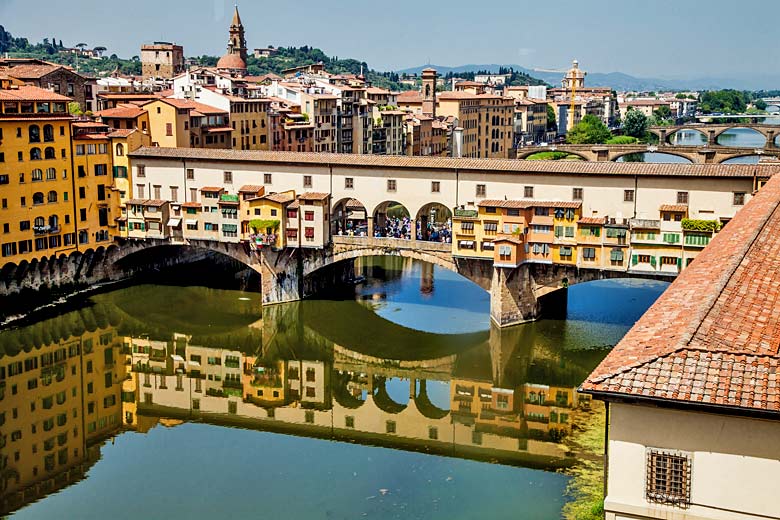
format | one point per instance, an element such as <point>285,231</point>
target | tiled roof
<point>154,202</point>
<point>121,132</point>
<point>250,188</point>
<point>523,204</point>
<point>294,205</point>
<point>713,337</point>
<point>678,208</point>
<point>279,197</point>
<point>122,112</point>
<point>191,205</point>
<point>592,221</point>
<point>603,168</point>
<point>211,188</point>
<point>311,195</point>
<point>30,93</point>
<point>354,204</point>
<point>34,71</point>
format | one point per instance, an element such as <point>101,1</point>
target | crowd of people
<point>395,228</point>
<point>401,228</point>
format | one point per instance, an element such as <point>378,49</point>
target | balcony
<point>638,223</point>
<point>46,230</point>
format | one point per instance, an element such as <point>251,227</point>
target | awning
<point>174,222</point>
<point>191,222</point>
<point>177,358</point>
<point>466,243</point>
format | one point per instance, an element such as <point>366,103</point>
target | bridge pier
<point>512,297</point>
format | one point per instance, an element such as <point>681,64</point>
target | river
<point>391,399</point>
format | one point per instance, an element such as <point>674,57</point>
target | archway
<point>392,220</point>
<point>552,155</point>
<point>349,217</point>
<point>743,159</point>
<point>741,137</point>
<point>434,223</point>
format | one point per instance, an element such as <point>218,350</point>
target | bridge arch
<point>349,216</point>
<point>761,137</point>
<point>527,154</point>
<point>683,130</point>
<point>627,155</point>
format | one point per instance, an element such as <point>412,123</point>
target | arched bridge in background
<point>695,154</point>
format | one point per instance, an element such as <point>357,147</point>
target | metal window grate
<point>668,479</point>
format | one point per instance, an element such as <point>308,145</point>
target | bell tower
<point>429,77</point>
<point>237,43</point>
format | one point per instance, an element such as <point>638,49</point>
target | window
<point>682,197</point>
<point>100,170</point>
<point>349,421</point>
<point>589,253</point>
<point>307,181</point>
<point>349,183</point>
<point>628,195</point>
<point>169,129</point>
<point>528,192</point>
<point>739,198</point>
<point>190,174</point>
<point>668,478</point>
<point>481,190</point>
<point>140,170</point>
<point>266,178</point>
<point>390,427</point>
<point>576,193</point>
<point>435,186</point>
<point>227,177</point>
<point>392,185</point>
<point>120,149</point>
<point>565,251</point>
<point>505,252</point>
<point>433,433</point>
<point>616,255</point>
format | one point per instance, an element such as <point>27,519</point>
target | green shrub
<point>622,139</point>
<point>260,225</point>
<point>689,224</point>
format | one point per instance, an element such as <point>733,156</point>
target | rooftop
<point>675,208</point>
<point>30,93</point>
<point>713,337</point>
<point>448,163</point>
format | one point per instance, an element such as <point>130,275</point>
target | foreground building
<point>692,389</point>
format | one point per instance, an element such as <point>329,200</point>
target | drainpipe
<point>606,446</point>
<point>636,192</point>
<point>73,185</point>
<point>457,187</point>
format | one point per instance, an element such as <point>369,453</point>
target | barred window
<point>668,478</point>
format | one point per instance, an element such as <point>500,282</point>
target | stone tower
<point>237,44</point>
<point>429,77</point>
<point>574,77</point>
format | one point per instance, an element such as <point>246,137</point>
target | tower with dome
<point>234,61</point>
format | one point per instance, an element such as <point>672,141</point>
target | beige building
<point>694,415</point>
<point>487,122</point>
<point>161,60</point>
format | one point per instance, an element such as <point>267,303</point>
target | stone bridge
<point>293,274</point>
<point>695,154</point>
<point>712,131</point>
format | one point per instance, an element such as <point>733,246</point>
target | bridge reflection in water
<point>122,364</point>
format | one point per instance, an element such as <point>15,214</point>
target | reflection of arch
<point>349,216</point>
<point>391,219</point>
<point>433,221</point>
<point>625,155</point>
<point>341,393</point>
<point>684,129</point>
<point>527,154</point>
<point>383,400</point>
<point>425,406</point>
<point>761,136</point>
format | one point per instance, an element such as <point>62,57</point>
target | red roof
<point>592,221</point>
<point>211,189</point>
<point>713,337</point>
<point>677,208</point>
<point>30,93</point>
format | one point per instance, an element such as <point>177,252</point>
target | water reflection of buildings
<point>69,384</point>
<point>58,402</point>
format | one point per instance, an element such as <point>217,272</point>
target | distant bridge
<point>711,132</point>
<point>695,154</point>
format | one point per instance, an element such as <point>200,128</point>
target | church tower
<point>429,77</point>
<point>234,61</point>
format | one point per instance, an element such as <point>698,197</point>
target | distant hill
<point>620,80</point>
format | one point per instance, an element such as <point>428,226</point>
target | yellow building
<point>264,384</point>
<point>122,143</point>
<point>97,202</point>
<point>264,219</point>
<point>36,184</point>
<point>565,217</point>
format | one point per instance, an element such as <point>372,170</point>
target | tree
<point>760,104</point>
<point>552,126</point>
<point>591,130</point>
<point>663,113</point>
<point>100,50</point>
<point>635,124</point>
<point>81,46</point>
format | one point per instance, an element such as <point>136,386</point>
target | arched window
<point>54,221</point>
<point>52,196</point>
<point>35,134</point>
<point>48,133</point>
<point>120,149</point>
<point>35,154</point>
<point>51,174</point>
<point>37,198</point>
<point>37,175</point>
<point>39,222</point>
<point>49,153</point>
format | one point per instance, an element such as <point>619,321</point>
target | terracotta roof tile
<point>251,188</point>
<point>592,221</point>
<point>713,337</point>
<point>311,195</point>
<point>31,93</point>
<point>211,189</point>
<point>678,208</point>
<point>547,168</point>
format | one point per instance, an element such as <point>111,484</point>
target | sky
<point>656,38</point>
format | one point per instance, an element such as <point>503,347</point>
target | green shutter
<point>634,259</point>
<point>679,263</point>
<point>597,232</point>
<point>652,261</point>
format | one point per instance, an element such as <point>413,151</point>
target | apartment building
<point>487,122</point>
<point>36,184</point>
<point>182,123</point>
